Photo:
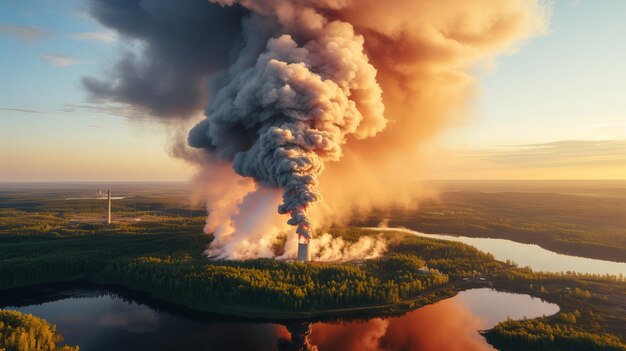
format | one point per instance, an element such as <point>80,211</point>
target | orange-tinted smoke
<point>425,52</point>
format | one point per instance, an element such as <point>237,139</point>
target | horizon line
<point>411,181</point>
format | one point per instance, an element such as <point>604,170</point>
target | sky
<point>553,109</point>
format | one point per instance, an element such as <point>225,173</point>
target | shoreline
<point>247,312</point>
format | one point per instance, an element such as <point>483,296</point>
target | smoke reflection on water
<point>447,325</point>
<point>112,323</point>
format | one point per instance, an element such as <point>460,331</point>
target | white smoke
<point>329,248</point>
<point>245,224</point>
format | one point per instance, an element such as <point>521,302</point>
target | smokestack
<point>303,249</point>
<point>109,207</point>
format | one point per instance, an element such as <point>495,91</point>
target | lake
<point>533,256</point>
<point>96,318</point>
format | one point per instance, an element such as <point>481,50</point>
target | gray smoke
<point>182,44</point>
<point>287,85</point>
<point>280,113</point>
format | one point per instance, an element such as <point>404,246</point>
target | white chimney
<point>303,252</point>
<point>303,249</point>
<point>109,207</point>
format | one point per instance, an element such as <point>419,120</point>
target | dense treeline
<point>173,266</point>
<point>456,259</point>
<point>25,332</point>
<point>537,334</point>
<point>42,260</point>
<point>591,315</point>
<point>274,284</point>
<point>588,302</point>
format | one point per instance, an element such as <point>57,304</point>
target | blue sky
<point>55,136</point>
<point>569,84</point>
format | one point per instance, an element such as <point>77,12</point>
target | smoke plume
<point>313,107</point>
<point>282,118</point>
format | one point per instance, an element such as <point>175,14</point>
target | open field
<point>44,209</point>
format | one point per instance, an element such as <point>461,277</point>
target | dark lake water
<point>95,318</point>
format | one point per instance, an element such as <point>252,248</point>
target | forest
<point>583,218</point>
<point>591,315</point>
<point>539,334</point>
<point>25,332</point>
<point>172,265</point>
<point>162,255</point>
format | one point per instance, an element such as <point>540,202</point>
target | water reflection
<point>298,338</point>
<point>451,324</point>
<point>447,325</point>
<point>113,322</point>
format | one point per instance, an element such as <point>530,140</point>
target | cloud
<point>604,125</point>
<point>18,110</point>
<point>185,43</point>
<point>564,153</point>
<point>564,159</point>
<point>60,60</point>
<point>109,108</point>
<point>23,33</point>
<point>106,37</point>
<point>614,130</point>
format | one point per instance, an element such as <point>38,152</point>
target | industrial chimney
<point>109,207</point>
<point>303,249</point>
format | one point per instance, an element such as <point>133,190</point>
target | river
<point>533,256</point>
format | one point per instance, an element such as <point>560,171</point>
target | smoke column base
<point>303,252</point>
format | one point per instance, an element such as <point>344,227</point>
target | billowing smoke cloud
<point>282,118</point>
<point>180,43</point>
<point>306,100</point>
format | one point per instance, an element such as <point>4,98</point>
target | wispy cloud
<point>603,126</point>
<point>565,159</point>
<point>23,33</point>
<point>106,37</point>
<point>23,110</point>
<point>60,60</point>
<point>105,108</point>
<point>566,153</point>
